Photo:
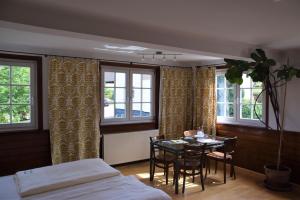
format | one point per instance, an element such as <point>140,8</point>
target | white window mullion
<point>129,95</point>
<point>115,79</point>
<point>10,96</point>
<point>141,103</point>
<point>238,104</point>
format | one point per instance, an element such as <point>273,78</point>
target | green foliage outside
<point>109,94</point>
<point>14,94</point>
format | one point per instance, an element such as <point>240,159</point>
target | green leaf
<point>287,73</point>
<point>255,57</point>
<point>271,62</point>
<point>298,73</point>
<point>260,72</point>
<point>261,53</point>
<point>230,61</point>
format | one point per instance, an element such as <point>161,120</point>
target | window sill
<point>254,124</point>
<point>127,127</point>
<point>244,125</point>
<point>127,122</point>
<point>17,129</point>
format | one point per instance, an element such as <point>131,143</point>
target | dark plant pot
<point>278,180</point>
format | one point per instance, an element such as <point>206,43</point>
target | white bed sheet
<point>113,188</point>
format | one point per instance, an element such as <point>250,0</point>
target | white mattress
<point>113,188</point>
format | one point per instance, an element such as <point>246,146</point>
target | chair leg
<point>233,171</point>
<point>183,185</point>
<point>153,171</point>
<point>193,175</point>
<point>206,168</point>
<point>167,174</point>
<point>174,176</point>
<point>201,178</point>
<point>150,170</point>
<point>216,166</point>
<point>151,166</point>
<point>224,172</point>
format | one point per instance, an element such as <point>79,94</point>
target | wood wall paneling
<point>24,150</point>
<point>259,146</point>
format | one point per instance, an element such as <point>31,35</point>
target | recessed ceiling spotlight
<point>130,48</point>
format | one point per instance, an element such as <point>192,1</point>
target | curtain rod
<point>98,59</point>
<point>215,65</point>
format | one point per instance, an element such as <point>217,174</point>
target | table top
<point>177,146</point>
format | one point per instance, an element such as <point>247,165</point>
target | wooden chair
<point>223,154</point>
<point>159,158</point>
<point>192,163</point>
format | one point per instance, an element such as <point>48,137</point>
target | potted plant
<point>264,69</point>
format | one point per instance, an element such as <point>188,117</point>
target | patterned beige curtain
<point>205,99</point>
<point>175,101</point>
<point>74,109</point>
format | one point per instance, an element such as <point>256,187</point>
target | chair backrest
<point>155,138</point>
<point>155,151</point>
<point>229,145</point>
<point>221,138</point>
<point>194,153</point>
<point>190,133</point>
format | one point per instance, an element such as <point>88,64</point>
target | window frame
<point>237,108</point>
<point>128,104</point>
<point>225,119</point>
<point>152,109</point>
<point>34,124</point>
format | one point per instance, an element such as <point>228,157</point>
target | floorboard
<point>248,185</point>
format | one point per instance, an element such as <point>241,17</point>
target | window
<point>248,94</point>
<point>17,94</point>
<point>225,97</point>
<point>235,103</point>
<point>127,95</point>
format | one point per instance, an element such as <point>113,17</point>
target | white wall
<point>292,112</point>
<point>127,147</point>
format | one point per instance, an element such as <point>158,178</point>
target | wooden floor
<point>248,185</point>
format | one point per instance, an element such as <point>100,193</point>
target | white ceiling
<point>216,28</point>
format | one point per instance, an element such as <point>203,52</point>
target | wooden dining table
<point>176,147</point>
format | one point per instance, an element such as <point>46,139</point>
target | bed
<point>90,179</point>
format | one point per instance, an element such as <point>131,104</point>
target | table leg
<point>151,170</point>
<point>176,176</point>
<point>151,163</point>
